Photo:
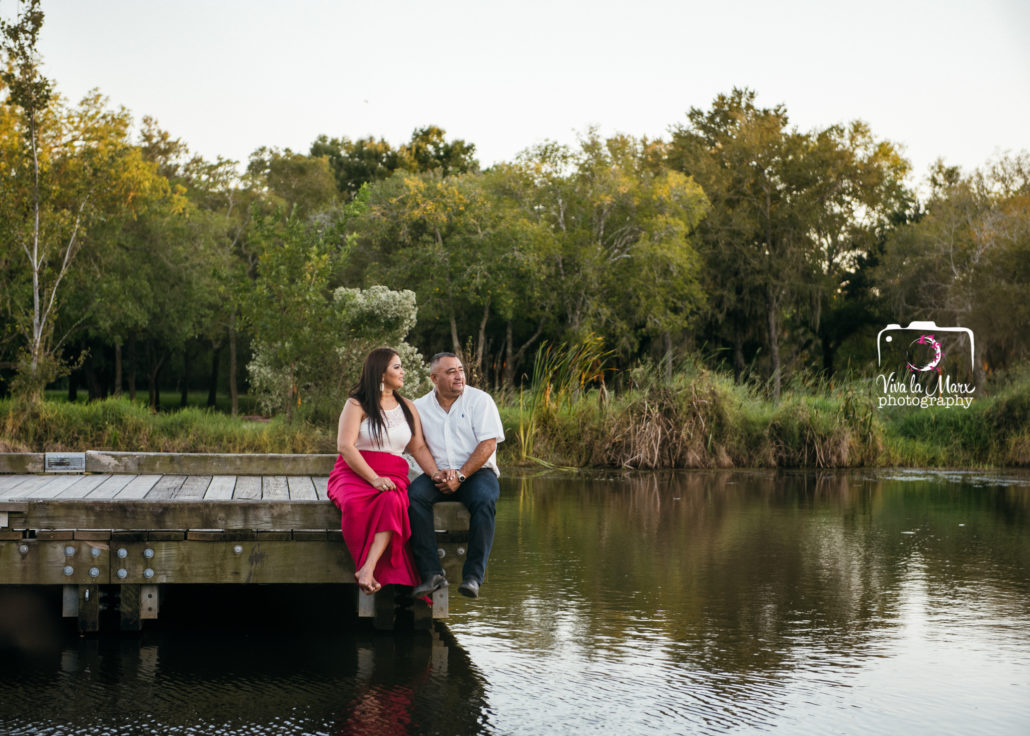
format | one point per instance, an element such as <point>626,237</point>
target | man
<point>462,428</point>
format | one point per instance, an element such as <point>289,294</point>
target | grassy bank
<point>119,424</point>
<point>701,419</point>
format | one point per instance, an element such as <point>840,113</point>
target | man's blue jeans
<point>479,493</point>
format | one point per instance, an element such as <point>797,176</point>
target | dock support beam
<point>129,607</point>
<point>89,609</point>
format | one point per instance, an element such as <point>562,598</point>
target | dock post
<point>385,608</point>
<point>89,609</point>
<point>129,607</point>
<point>149,602</point>
<point>70,601</point>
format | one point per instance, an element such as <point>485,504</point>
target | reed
<point>701,419</point>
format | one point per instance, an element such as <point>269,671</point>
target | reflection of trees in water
<point>746,568</point>
<point>341,682</point>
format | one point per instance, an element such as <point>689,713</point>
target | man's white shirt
<point>453,435</point>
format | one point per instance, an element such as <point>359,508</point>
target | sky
<point>943,79</point>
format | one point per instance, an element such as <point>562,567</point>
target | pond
<point>687,602</point>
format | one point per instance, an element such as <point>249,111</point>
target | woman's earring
<point>382,387</point>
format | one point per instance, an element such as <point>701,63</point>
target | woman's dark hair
<point>366,392</point>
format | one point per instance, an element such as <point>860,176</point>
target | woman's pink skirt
<point>366,511</point>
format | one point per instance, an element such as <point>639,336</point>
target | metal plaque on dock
<point>64,462</point>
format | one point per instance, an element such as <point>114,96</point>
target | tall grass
<point>699,419</point>
<point>702,419</point>
<point>119,424</point>
<point>560,376</point>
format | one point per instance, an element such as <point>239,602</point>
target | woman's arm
<point>347,438</point>
<point>417,447</point>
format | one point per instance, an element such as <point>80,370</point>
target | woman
<point>370,481</point>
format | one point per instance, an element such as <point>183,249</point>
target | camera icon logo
<point>922,346</point>
<point>924,365</point>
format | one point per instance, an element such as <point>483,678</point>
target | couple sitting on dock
<point>452,433</point>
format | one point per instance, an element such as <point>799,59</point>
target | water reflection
<point>208,682</point>
<point>708,603</point>
<point>702,602</point>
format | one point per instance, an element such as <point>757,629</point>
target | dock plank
<point>166,487</point>
<point>83,486</point>
<point>321,487</point>
<point>301,488</point>
<point>57,484</point>
<point>138,487</point>
<point>28,487</point>
<point>9,483</point>
<point>248,487</point>
<point>152,515</point>
<point>112,486</point>
<point>194,487</point>
<point>274,488</point>
<point>220,488</point>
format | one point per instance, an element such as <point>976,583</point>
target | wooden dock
<point>132,524</point>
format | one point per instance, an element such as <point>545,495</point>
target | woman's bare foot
<point>366,583</point>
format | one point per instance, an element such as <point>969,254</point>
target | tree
<point>366,160</point>
<point>354,163</point>
<point>69,168</point>
<point>293,180</point>
<point>622,261</point>
<point>439,234</point>
<point>792,214</point>
<point>310,339</point>
<point>429,150</point>
<point>851,191</point>
<point>966,261</point>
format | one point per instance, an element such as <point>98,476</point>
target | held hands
<point>383,484</point>
<point>446,480</point>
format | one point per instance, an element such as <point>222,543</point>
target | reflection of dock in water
<point>114,531</point>
<point>214,681</point>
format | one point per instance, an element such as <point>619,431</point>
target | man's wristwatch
<point>461,477</point>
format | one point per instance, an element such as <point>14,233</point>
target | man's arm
<point>476,460</point>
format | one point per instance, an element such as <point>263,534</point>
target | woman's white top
<point>396,433</point>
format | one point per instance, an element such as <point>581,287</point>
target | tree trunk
<point>668,357</point>
<point>738,357</point>
<point>513,361</point>
<point>156,360</point>
<point>774,346</point>
<point>92,380</point>
<point>132,368</point>
<point>481,339</point>
<point>829,351</point>
<point>117,369</point>
<point>212,381</point>
<point>234,395</point>
<point>455,344</point>
<point>184,387</point>
<point>73,386</point>
<point>508,376</point>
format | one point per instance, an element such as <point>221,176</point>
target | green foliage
<point>966,261</point>
<point>310,340</point>
<point>367,160</point>
<point>561,375</point>
<point>66,170</point>
<point>740,236</point>
<point>792,213</point>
